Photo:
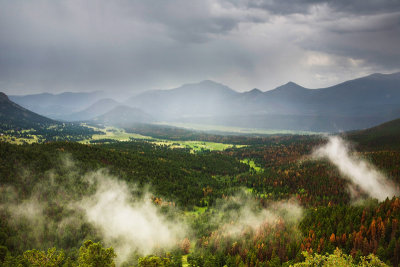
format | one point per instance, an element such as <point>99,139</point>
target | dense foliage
<point>201,186</point>
<point>50,132</point>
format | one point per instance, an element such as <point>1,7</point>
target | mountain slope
<point>385,136</point>
<point>13,116</point>
<point>376,94</point>
<point>56,106</point>
<point>124,115</point>
<point>100,107</point>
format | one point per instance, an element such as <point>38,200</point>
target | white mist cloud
<point>248,215</point>
<point>129,225</point>
<point>358,171</point>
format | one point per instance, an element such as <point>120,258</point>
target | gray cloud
<point>305,6</point>
<point>138,45</point>
<point>365,6</point>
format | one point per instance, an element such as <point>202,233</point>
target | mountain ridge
<point>354,104</point>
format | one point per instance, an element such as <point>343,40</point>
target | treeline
<point>181,134</point>
<point>90,254</point>
<point>51,132</point>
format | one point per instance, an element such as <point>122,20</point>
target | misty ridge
<point>354,104</point>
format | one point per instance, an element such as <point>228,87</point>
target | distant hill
<point>124,115</point>
<point>382,137</point>
<point>206,98</point>
<point>355,104</point>
<point>57,106</point>
<point>15,117</point>
<point>100,107</point>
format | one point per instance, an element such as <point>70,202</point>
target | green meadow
<point>233,130</point>
<point>253,165</point>
<point>118,134</point>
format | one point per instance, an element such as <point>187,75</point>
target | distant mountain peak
<point>204,86</point>
<point>209,82</point>
<point>290,86</point>
<point>293,84</point>
<point>254,91</point>
<point>205,83</point>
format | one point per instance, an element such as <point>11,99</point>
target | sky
<point>129,46</point>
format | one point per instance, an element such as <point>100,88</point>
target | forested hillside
<point>260,204</point>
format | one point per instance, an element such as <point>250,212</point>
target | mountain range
<point>354,104</point>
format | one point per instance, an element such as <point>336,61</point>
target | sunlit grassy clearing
<point>196,211</point>
<point>184,261</point>
<point>252,165</point>
<point>120,135</point>
<point>112,133</point>
<point>19,141</point>
<point>194,145</point>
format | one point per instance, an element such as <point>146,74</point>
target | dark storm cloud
<point>137,45</point>
<point>304,6</point>
<point>365,6</point>
<point>374,38</point>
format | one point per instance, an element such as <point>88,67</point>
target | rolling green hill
<point>385,136</point>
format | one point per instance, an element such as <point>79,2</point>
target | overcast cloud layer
<point>123,45</point>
